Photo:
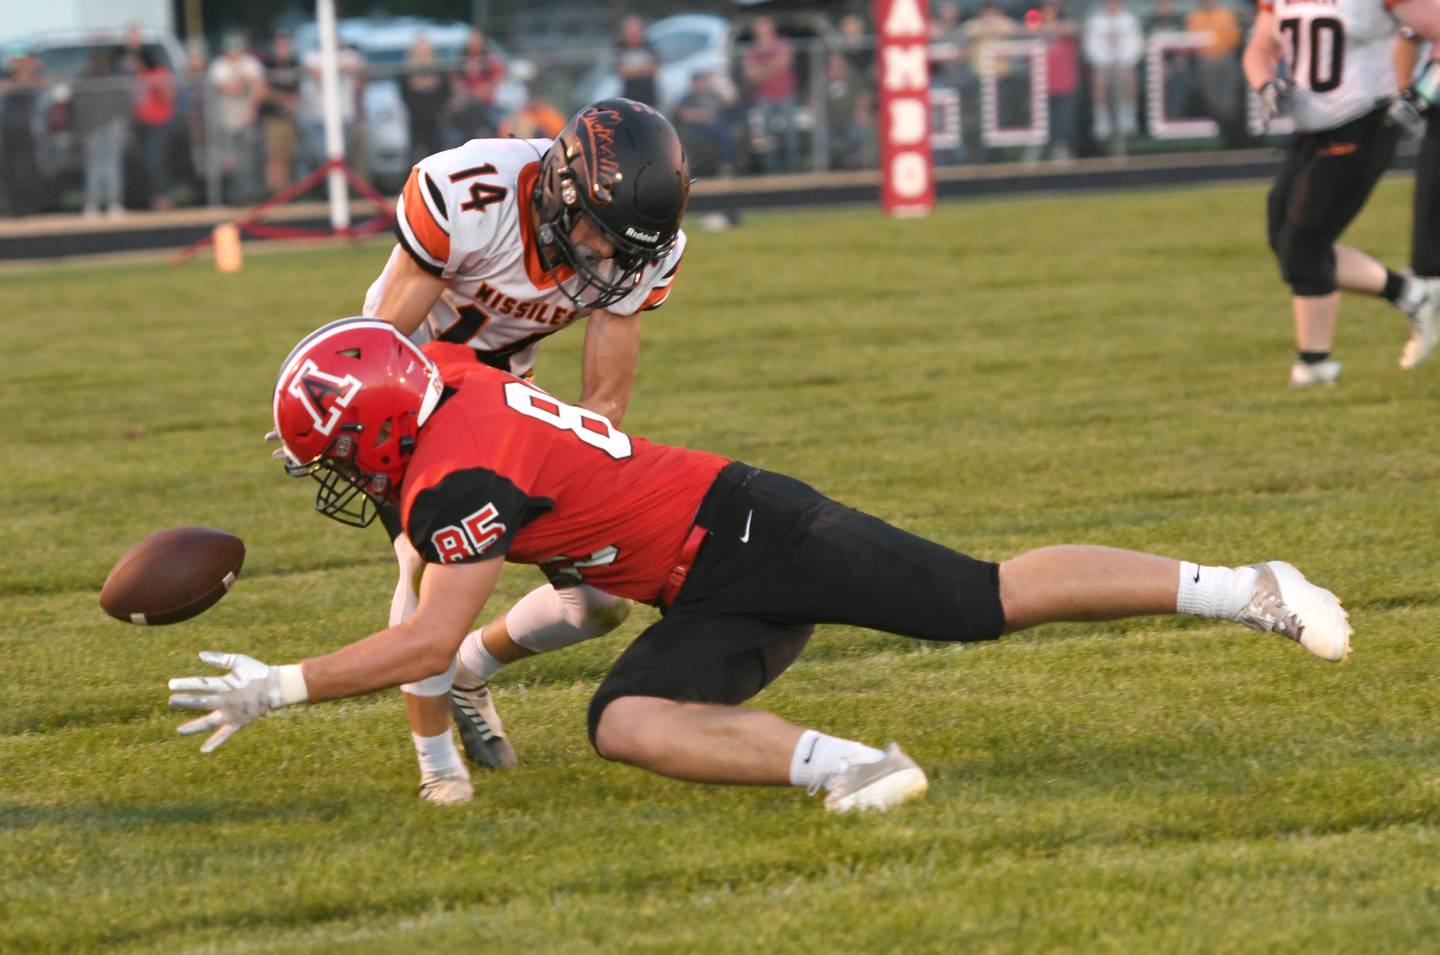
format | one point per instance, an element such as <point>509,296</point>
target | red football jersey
<point>502,468</point>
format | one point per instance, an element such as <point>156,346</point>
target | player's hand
<point>249,691</point>
<point>1272,97</point>
<point>1407,111</point>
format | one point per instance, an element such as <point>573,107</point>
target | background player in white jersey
<point>1414,109</point>
<point>503,242</point>
<point>1339,81</point>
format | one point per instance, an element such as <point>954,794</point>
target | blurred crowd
<point>131,119</point>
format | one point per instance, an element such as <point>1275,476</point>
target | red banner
<point>907,174</point>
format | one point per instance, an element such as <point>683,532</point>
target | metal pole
<point>214,145</point>
<point>330,100</point>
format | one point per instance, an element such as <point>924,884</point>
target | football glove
<point>1272,97</point>
<point>249,691</point>
<point>1409,108</point>
<point>1407,111</point>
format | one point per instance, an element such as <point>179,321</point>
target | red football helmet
<point>349,401</point>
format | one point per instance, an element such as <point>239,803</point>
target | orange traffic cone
<point>228,257</point>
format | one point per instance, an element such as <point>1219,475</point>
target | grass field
<point>1106,369</point>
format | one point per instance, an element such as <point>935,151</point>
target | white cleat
<point>880,785</point>
<point>1284,602</point>
<point>1304,375</point>
<point>1424,315</point>
<point>444,790</point>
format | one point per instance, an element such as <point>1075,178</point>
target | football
<point>172,575</point>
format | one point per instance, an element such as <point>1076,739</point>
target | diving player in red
<point>1339,82</point>
<point>500,244</point>
<point>742,563</point>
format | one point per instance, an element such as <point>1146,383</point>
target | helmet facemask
<point>346,493</point>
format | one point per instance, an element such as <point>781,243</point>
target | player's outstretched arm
<point>1421,16</point>
<point>408,295</point>
<point>451,597</point>
<point>607,368</point>
<point>1263,53</point>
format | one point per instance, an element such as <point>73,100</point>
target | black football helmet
<point>618,166</point>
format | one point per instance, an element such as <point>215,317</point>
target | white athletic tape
<point>229,580</point>
<point>138,619</point>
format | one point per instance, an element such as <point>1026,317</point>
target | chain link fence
<point>218,133</point>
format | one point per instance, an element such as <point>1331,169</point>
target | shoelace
<point>1269,614</point>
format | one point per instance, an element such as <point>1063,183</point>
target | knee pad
<point>1307,260</point>
<point>547,619</point>
<point>599,612</point>
<point>437,685</point>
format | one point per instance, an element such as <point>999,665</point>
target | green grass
<point>1106,369</point>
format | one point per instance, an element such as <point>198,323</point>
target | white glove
<point>249,691</point>
<point>1272,96</point>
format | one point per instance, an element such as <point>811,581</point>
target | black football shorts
<point>779,558</point>
<point>1328,176</point>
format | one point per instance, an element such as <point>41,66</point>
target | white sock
<point>817,758</point>
<point>1216,592</point>
<point>438,754</point>
<point>475,658</point>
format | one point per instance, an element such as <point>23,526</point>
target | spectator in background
<point>1062,79</point>
<point>842,103</point>
<point>1176,64</point>
<point>239,83</point>
<point>476,83</point>
<point>703,123</point>
<point>1113,44</point>
<point>993,24</point>
<point>1163,18</point>
<point>951,68</point>
<point>154,113</point>
<point>859,48</point>
<point>1217,68</point>
<point>100,111</point>
<point>134,43</point>
<point>637,63</point>
<point>278,109</point>
<point>770,75</point>
<point>425,89</point>
<point>311,110</point>
<point>190,105</point>
<point>536,119</point>
<point>19,168</point>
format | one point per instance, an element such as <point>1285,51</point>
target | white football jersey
<point>1340,54</point>
<point>464,215</point>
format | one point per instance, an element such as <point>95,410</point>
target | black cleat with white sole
<point>482,735</point>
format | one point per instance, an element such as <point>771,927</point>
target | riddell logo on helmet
<point>313,386</point>
<point>633,233</point>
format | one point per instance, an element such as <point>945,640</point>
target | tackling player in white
<point>1339,83</point>
<point>503,242</point>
